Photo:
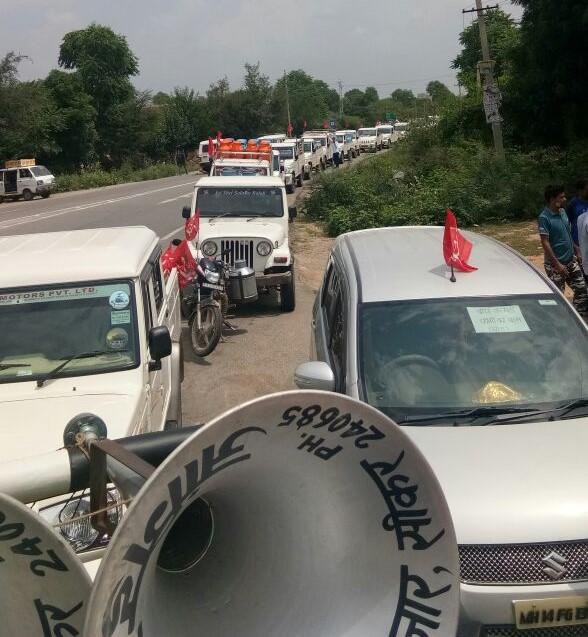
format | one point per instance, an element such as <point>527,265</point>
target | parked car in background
<point>344,143</point>
<point>312,156</point>
<point>401,129</point>
<point>370,140</point>
<point>205,156</point>
<point>352,140</point>
<point>25,178</point>
<point>291,162</point>
<point>245,219</point>
<point>488,375</point>
<point>326,140</point>
<point>387,133</point>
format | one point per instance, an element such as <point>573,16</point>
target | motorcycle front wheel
<point>206,338</point>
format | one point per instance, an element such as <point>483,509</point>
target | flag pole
<point>452,278</point>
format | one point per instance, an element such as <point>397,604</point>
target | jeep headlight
<point>209,248</point>
<point>71,519</point>
<point>264,248</point>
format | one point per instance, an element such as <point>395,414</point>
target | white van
<point>204,154</point>
<point>24,178</point>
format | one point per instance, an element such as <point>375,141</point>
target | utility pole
<point>340,85</point>
<point>287,98</point>
<point>487,74</point>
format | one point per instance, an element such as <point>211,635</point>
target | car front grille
<point>522,563</point>
<point>237,250</point>
<point>512,631</point>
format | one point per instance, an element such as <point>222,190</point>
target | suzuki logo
<point>555,565</point>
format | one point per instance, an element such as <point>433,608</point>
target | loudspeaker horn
<point>300,513</point>
<point>44,588</point>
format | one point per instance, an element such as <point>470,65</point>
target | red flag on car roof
<point>325,124</point>
<point>192,226</point>
<point>290,129</point>
<point>456,248</point>
<point>304,125</point>
<point>210,147</point>
<point>219,136</point>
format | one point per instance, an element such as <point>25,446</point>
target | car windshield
<point>308,147</point>
<point>386,130</point>
<point>367,132</point>
<point>341,138</point>
<point>240,171</point>
<point>349,137</point>
<point>204,148</point>
<point>41,327</point>
<point>240,202</point>
<point>425,358</point>
<point>286,153</point>
<point>40,171</point>
<point>400,127</point>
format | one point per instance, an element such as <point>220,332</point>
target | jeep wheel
<point>288,294</point>
<point>289,188</point>
<point>27,195</point>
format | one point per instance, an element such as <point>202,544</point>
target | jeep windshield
<point>42,327</point>
<point>286,153</point>
<point>466,361</point>
<point>367,132</point>
<point>240,202</point>
<point>308,147</point>
<point>386,130</point>
<point>240,171</point>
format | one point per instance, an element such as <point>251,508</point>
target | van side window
<point>330,293</point>
<point>337,342</point>
<point>146,293</point>
<point>157,280</point>
<point>24,173</point>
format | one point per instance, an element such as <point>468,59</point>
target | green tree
<point>403,96</point>
<point>104,64</point>
<point>549,91</point>
<point>440,94</point>
<point>185,120</point>
<point>77,133</point>
<point>308,101</point>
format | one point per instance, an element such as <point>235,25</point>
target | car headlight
<point>211,276</point>
<point>71,519</point>
<point>264,248</point>
<point>209,248</point>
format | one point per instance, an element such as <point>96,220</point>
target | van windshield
<point>42,327</point>
<point>40,171</point>
<point>425,358</point>
<point>240,202</point>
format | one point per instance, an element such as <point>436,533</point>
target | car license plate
<point>551,612</point>
<point>212,286</point>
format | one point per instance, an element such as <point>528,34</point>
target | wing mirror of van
<point>315,375</point>
<point>160,346</point>
<point>186,212</point>
<point>292,213</point>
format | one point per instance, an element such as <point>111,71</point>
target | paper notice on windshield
<point>120,318</point>
<point>498,319</point>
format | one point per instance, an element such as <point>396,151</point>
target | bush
<point>465,177</point>
<point>97,178</point>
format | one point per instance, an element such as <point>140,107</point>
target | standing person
<point>336,153</point>
<point>562,256</point>
<point>577,206</point>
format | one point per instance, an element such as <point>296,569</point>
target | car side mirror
<point>160,346</point>
<point>292,213</point>
<point>315,375</point>
<point>186,212</point>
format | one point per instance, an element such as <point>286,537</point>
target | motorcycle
<point>205,303</point>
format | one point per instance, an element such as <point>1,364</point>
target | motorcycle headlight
<point>71,519</point>
<point>264,248</point>
<point>209,248</point>
<point>211,276</point>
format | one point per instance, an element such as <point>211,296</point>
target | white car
<point>326,140</point>
<point>291,163</point>
<point>370,140</point>
<point>244,219</point>
<point>489,376</point>
<point>387,133</point>
<point>312,156</point>
<point>401,129</point>
<point>351,140</point>
<point>88,325</point>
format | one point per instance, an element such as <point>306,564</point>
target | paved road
<point>156,204</point>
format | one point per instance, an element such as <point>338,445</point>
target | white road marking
<point>9,223</point>
<point>175,199</point>
<point>171,234</point>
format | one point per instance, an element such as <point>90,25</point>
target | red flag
<point>211,148</point>
<point>219,136</point>
<point>179,256</point>
<point>304,125</point>
<point>192,226</point>
<point>325,124</point>
<point>456,248</point>
<point>290,129</point>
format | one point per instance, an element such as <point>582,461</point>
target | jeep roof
<point>78,255</point>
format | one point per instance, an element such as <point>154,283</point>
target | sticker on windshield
<point>497,319</point>
<point>120,317</point>
<point>547,302</point>
<point>25,297</point>
<point>117,339</point>
<point>119,300</point>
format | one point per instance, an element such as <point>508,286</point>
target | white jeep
<point>291,163</point>
<point>312,156</point>
<point>247,219</point>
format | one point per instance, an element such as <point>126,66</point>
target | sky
<point>388,44</point>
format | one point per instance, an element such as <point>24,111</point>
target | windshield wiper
<point>68,359</point>
<point>564,409</point>
<point>4,366</point>
<point>473,414</point>
<point>224,214</point>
